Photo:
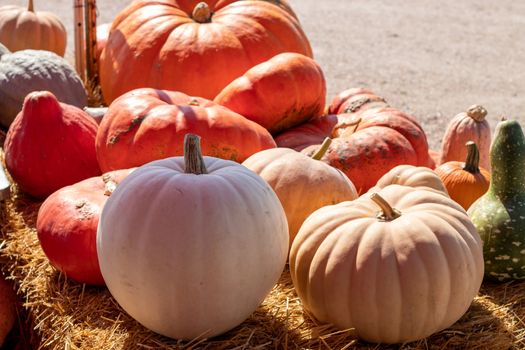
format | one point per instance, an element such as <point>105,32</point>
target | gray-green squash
<point>499,215</point>
<point>25,71</point>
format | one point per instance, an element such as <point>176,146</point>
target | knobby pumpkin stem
<point>193,160</point>
<point>322,150</point>
<point>387,213</point>
<point>477,112</point>
<point>201,13</point>
<point>472,161</point>
<point>30,6</point>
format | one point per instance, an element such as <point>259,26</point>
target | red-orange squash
<point>147,124</point>
<point>195,47</point>
<point>67,226</point>
<point>467,126</point>
<point>280,93</point>
<point>8,314</point>
<point>465,181</point>
<point>355,100</point>
<point>373,142</point>
<point>50,145</point>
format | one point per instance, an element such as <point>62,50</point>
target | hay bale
<point>68,315</point>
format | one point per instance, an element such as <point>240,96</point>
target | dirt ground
<point>430,58</point>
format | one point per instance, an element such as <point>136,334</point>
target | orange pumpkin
<point>355,100</point>
<point>468,126</point>
<point>22,29</point>
<point>147,124</point>
<point>280,93</point>
<point>465,181</point>
<point>195,47</point>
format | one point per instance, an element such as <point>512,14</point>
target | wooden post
<point>80,39</point>
<point>91,43</point>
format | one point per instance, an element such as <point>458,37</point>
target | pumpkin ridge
<point>133,124</point>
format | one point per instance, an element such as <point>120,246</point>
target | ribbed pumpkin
<point>146,124</point>
<point>190,246</point>
<point>467,126</point>
<point>195,47</point>
<point>303,184</point>
<point>36,70</point>
<point>50,145</point>
<point>373,142</point>
<point>313,132</point>
<point>465,181</point>
<point>67,226</point>
<point>280,93</point>
<point>23,28</point>
<point>395,266</point>
<point>410,175</point>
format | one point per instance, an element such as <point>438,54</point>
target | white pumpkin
<point>190,250</point>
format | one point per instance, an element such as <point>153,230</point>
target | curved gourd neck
<point>507,158</point>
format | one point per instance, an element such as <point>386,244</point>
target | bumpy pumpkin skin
<point>367,155</point>
<point>313,132</point>
<point>280,93</point>
<point>392,281</point>
<point>146,124</point>
<point>464,127</point>
<point>199,59</point>
<point>36,70</point>
<point>302,183</point>
<point>23,28</point>
<point>67,226</point>
<point>187,254</point>
<point>499,215</point>
<point>50,145</point>
<point>355,100</point>
<point>410,175</point>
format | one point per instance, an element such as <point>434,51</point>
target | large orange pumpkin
<point>280,93</point>
<point>312,132</point>
<point>195,47</point>
<point>147,124</point>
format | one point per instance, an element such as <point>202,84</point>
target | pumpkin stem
<point>387,213</point>
<point>109,185</point>
<point>201,13</point>
<point>322,150</point>
<point>472,161</point>
<point>193,161</point>
<point>30,6</point>
<point>477,112</point>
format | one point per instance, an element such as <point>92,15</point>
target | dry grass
<point>68,315</point>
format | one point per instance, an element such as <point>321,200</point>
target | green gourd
<point>499,215</point>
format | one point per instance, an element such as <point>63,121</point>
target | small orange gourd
<point>467,126</point>
<point>465,181</point>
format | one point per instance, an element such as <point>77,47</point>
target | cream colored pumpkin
<point>410,175</point>
<point>395,270</point>
<point>467,126</point>
<point>302,183</point>
<point>191,250</point>
<point>22,28</point>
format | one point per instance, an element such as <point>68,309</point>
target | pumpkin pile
<point>217,161</point>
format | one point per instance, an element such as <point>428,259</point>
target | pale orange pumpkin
<point>22,28</point>
<point>467,126</point>
<point>302,183</point>
<point>396,266</point>
<point>410,175</point>
<point>465,181</point>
